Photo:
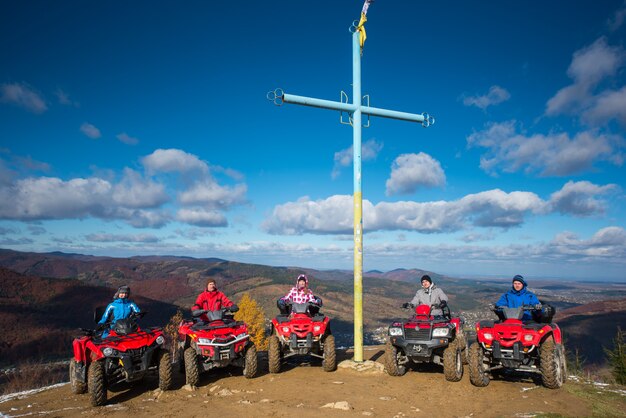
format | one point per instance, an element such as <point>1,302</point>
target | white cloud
<point>589,66</point>
<point>127,139</point>
<point>555,154</point>
<point>491,208</point>
<point>36,230</point>
<point>608,242</point>
<point>201,217</point>
<point>173,160</point>
<point>24,96</point>
<point>133,191</point>
<point>343,158</point>
<point>64,98</point>
<point>610,104</point>
<point>9,230</point>
<point>210,194</point>
<point>91,131</point>
<point>409,172</point>
<point>578,198</point>
<point>494,96</point>
<point>615,22</point>
<point>122,238</point>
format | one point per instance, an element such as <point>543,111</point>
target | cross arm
<point>279,97</point>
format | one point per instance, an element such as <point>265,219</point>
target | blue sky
<point>130,128</point>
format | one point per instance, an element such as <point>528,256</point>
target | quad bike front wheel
<point>551,364</point>
<point>192,368</point>
<point>251,363</point>
<point>165,370</point>
<point>97,383</point>
<point>392,366</point>
<point>273,354</point>
<point>453,362</point>
<point>329,363</point>
<point>78,387</point>
<point>479,376</point>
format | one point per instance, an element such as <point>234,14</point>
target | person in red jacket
<point>211,299</point>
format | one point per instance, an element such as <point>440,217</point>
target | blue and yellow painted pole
<point>358,198</point>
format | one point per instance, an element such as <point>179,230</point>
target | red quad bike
<point>425,338</point>
<point>301,333</point>
<point>127,354</point>
<point>216,340</point>
<point>510,344</point>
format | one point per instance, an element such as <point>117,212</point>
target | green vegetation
<point>603,403</point>
<point>617,357</point>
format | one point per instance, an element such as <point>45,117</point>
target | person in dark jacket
<point>211,299</point>
<point>120,308</point>
<point>430,295</point>
<point>518,296</point>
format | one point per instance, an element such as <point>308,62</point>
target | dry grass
<point>32,375</point>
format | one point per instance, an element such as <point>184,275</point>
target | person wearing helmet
<point>430,295</point>
<point>120,308</point>
<point>300,294</point>
<point>211,299</point>
<point>518,296</point>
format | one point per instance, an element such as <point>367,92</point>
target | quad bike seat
<point>486,323</point>
<point>282,318</point>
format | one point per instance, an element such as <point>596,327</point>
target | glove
<point>538,307</point>
<point>443,304</point>
<point>406,305</point>
<point>318,301</point>
<point>233,308</point>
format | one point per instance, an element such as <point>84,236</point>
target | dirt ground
<point>303,389</point>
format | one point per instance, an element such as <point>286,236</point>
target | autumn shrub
<point>251,312</point>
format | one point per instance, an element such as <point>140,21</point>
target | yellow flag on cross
<point>361,25</point>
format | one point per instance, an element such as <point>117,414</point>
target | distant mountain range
<point>44,297</point>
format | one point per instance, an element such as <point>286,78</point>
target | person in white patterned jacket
<point>300,293</point>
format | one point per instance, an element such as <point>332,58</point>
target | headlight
<point>395,331</point>
<point>316,328</point>
<point>528,337</point>
<point>488,336</point>
<point>441,332</point>
<point>285,329</point>
<point>160,340</point>
<point>108,351</point>
<point>204,341</point>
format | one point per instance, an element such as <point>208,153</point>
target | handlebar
<point>536,307</point>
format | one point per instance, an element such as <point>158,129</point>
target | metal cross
<point>355,110</point>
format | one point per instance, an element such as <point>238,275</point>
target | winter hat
<point>519,278</point>
<point>427,278</point>
<point>122,289</point>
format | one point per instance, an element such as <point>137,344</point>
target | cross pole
<point>355,110</point>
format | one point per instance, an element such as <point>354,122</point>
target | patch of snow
<point>26,393</point>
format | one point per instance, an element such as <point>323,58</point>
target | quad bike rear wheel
<point>479,376</point>
<point>391,361</point>
<point>165,370</point>
<point>97,383</point>
<point>329,363</point>
<point>453,362</point>
<point>273,353</point>
<point>192,368</point>
<point>251,363</point>
<point>551,364</point>
<point>78,387</point>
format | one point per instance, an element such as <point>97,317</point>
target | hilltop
<point>305,390</point>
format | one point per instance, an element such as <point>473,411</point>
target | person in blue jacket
<point>120,308</point>
<point>518,296</point>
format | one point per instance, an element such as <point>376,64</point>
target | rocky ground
<point>305,390</point>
